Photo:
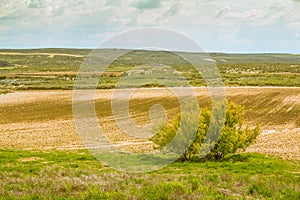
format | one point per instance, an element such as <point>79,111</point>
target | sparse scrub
<point>238,70</point>
<point>4,63</point>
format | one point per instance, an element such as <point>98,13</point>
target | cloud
<point>112,2</point>
<point>248,15</point>
<point>37,4</point>
<point>173,10</point>
<point>215,23</point>
<point>147,4</point>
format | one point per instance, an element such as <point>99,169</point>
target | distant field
<point>56,68</point>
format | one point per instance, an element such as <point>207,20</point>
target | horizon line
<point>92,48</point>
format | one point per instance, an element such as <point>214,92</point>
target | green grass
<point>236,69</point>
<point>77,175</point>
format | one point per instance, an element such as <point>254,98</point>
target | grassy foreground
<point>77,175</point>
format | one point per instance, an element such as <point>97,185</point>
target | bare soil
<point>43,119</point>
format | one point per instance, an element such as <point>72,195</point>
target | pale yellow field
<point>44,120</point>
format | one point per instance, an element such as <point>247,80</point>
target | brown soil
<point>43,119</point>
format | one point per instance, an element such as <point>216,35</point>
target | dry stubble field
<point>38,120</point>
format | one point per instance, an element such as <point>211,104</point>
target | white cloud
<point>248,15</point>
<point>90,21</point>
<point>118,20</point>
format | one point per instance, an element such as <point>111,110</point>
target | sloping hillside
<point>43,119</point>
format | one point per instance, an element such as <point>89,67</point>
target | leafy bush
<point>234,135</point>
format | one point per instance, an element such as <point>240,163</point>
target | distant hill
<point>219,57</point>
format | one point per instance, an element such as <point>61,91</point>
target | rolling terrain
<point>37,111</point>
<point>44,120</point>
<point>43,157</point>
<point>41,69</point>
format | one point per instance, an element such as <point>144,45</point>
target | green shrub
<point>234,135</point>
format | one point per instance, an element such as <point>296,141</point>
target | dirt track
<point>51,55</point>
<point>43,119</point>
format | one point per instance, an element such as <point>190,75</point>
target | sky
<point>232,26</point>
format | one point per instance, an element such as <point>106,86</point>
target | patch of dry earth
<point>43,119</point>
